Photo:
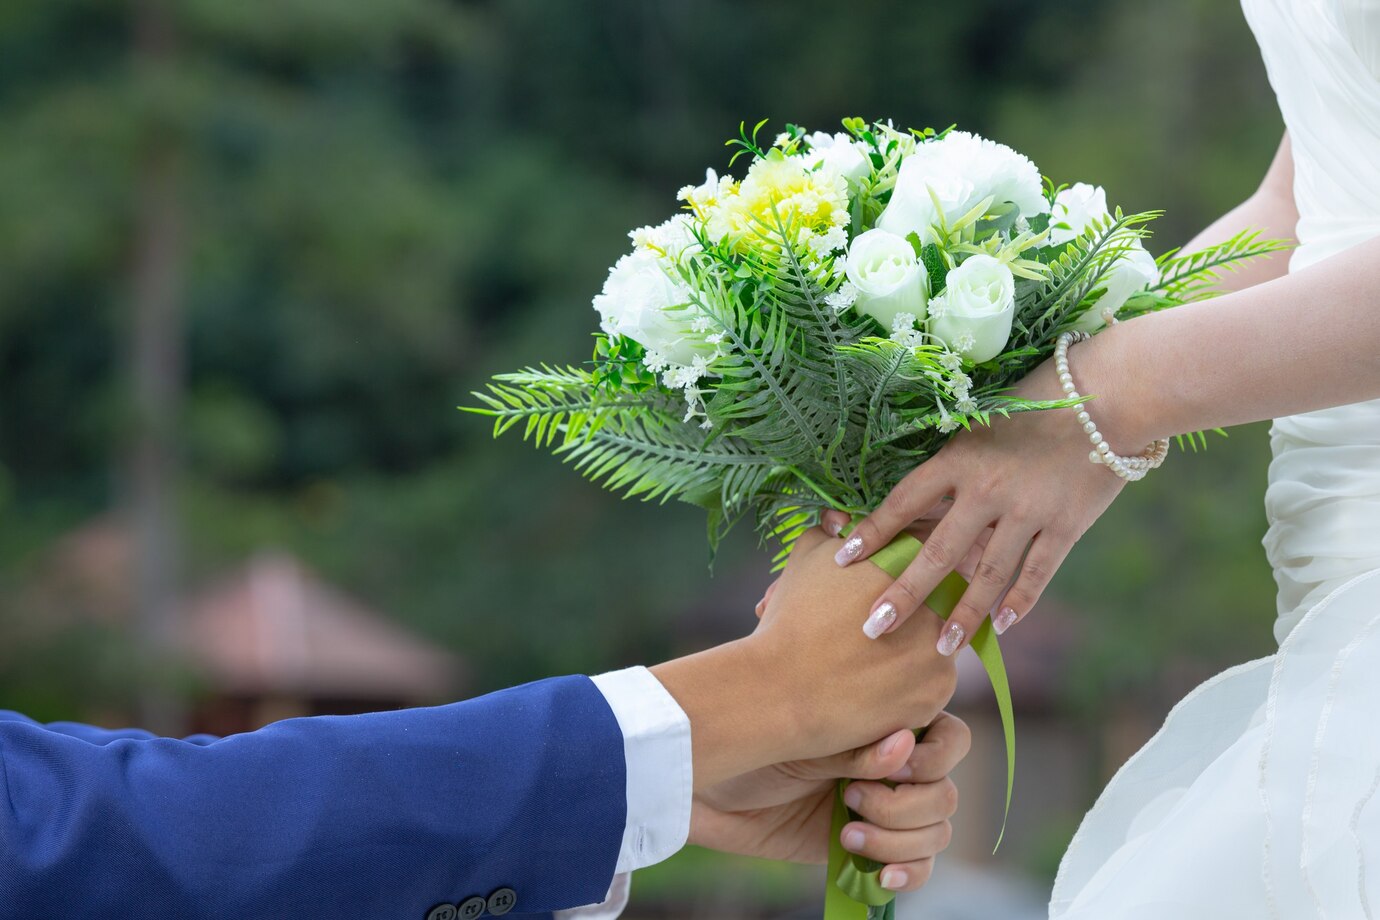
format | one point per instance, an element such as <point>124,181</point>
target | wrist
<point>740,719</point>
<point>1117,400</point>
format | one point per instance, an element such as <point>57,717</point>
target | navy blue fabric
<point>374,816</point>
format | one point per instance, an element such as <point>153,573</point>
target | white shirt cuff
<point>656,749</point>
<point>611,908</point>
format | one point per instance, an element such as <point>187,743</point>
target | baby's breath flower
<point>782,140</point>
<point>842,298</point>
<point>964,342</point>
<point>831,240</point>
<point>949,360</point>
<point>967,405</point>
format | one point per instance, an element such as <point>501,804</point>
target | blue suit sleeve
<point>383,815</point>
<point>93,735</point>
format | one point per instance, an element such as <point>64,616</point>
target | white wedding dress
<point>1258,797</point>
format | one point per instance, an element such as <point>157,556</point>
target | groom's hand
<point>807,683</point>
<point>784,811</point>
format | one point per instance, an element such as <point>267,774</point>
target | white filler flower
<point>888,277</point>
<point>961,169</point>
<point>978,304</point>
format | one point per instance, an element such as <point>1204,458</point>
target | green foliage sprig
<point>805,403</point>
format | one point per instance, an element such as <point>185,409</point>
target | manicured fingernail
<point>950,639</point>
<point>902,775</point>
<point>853,840</point>
<point>880,620</point>
<point>893,879</point>
<point>833,528</point>
<point>851,549</point>
<point>852,797</point>
<point>1004,619</point>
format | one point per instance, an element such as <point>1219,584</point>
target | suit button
<point>441,912</point>
<point>502,901</point>
<point>472,909</point>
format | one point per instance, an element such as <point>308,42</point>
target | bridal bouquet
<point>801,338</point>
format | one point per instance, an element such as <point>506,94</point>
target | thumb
<point>871,761</point>
<point>882,758</point>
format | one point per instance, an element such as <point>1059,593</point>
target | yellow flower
<point>806,201</point>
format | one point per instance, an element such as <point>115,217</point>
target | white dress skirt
<point>1258,796</point>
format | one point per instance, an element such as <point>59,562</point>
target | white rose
<point>962,169</point>
<point>889,278</point>
<point>1076,206</point>
<point>1130,273</point>
<point>840,153</point>
<point>645,302</point>
<point>973,315</point>
<point>912,207</point>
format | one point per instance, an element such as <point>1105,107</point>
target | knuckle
<point>968,614</point>
<point>948,798</point>
<point>945,835</point>
<point>991,574</point>
<point>902,500</point>
<point>963,737</point>
<point>1020,598</point>
<point>881,809</point>
<point>937,553</point>
<point>984,489</point>
<point>948,681</point>
<point>1036,571</point>
<point>1019,515</point>
<point>913,597</point>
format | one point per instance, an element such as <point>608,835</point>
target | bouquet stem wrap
<point>855,891</point>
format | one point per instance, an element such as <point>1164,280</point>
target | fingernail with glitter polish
<point>950,639</point>
<point>833,527</point>
<point>880,620</point>
<point>893,879</point>
<point>1004,620</point>
<point>852,548</point>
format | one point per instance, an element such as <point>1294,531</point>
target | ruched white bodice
<point>1323,502</point>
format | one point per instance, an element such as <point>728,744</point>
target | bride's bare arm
<point>1307,340</point>
<point>1270,210</point>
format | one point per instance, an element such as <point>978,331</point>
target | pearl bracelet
<point>1128,468</point>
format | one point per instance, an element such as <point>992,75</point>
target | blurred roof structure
<point>275,627</point>
<point>270,627</point>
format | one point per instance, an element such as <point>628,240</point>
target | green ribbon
<point>855,891</point>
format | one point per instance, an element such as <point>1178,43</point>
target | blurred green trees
<point>379,204</point>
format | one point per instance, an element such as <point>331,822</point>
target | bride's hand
<point>784,811</point>
<point>1018,494</point>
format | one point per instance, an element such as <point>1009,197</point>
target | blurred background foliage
<point>339,216</point>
